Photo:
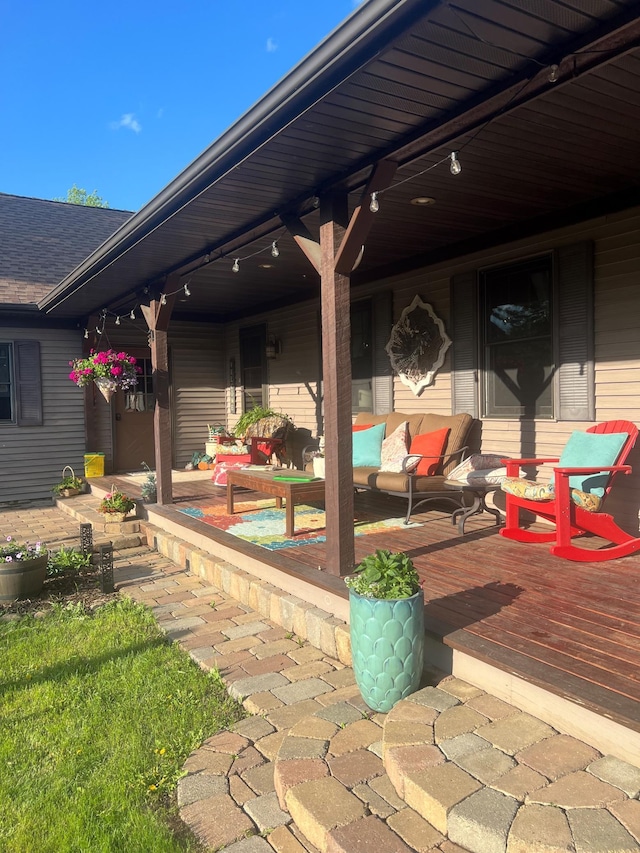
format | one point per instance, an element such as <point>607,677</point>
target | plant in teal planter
<point>386,607</point>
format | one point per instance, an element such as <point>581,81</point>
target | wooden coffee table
<point>292,490</point>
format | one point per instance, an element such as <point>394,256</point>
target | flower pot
<point>116,517</point>
<point>23,578</point>
<point>69,493</point>
<point>103,387</point>
<point>387,647</point>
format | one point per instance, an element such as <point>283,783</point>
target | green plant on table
<point>385,575</point>
<point>253,415</point>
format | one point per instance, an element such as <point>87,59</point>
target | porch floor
<point>572,629</point>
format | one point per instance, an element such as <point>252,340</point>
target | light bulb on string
<point>553,74</point>
<point>374,206</point>
<point>187,292</point>
<point>86,334</point>
<point>117,321</point>
<point>132,316</point>
<point>275,251</point>
<point>455,167</point>
<point>236,265</point>
<point>163,299</point>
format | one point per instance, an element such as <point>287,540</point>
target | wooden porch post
<point>157,316</point>
<point>336,368</point>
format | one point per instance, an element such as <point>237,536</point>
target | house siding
<point>32,457</point>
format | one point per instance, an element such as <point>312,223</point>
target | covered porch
<point>556,638</point>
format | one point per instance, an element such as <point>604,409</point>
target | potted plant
<point>149,489</point>
<point>386,607</point>
<point>23,568</point>
<point>115,505</point>
<point>69,485</point>
<point>110,370</point>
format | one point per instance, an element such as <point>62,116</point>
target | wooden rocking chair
<point>570,519</point>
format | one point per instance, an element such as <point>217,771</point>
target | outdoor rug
<point>262,524</point>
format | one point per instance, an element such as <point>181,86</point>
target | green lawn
<point>97,716</point>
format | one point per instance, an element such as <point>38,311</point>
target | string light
<point>553,74</point>
<point>374,206</point>
<point>86,334</point>
<point>132,316</point>
<point>163,299</point>
<point>275,251</point>
<point>236,265</point>
<point>455,168</point>
<point>187,292</point>
<point>117,321</point>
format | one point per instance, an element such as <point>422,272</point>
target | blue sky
<point>120,96</point>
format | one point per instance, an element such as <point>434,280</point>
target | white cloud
<point>129,121</point>
<point>271,45</point>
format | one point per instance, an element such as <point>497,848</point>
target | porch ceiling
<point>409,81</point>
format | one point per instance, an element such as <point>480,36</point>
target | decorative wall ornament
<point>418,345</point>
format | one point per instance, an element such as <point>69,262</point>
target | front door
<point>134,422</point>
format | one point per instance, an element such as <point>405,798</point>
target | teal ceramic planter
<point>387,647</point>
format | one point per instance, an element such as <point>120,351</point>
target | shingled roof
<point>42,241</point>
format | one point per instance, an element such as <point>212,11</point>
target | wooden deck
<point>571,628</point>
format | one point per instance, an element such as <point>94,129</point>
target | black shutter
<point>382,372</point>
<point>464,335</point>
<point>575,363</point>
<point>28,383</point>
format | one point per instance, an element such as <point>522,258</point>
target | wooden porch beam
<point>362,217</point>
<point>157,316</point>
<point>336,366</point>
<point>304,239</point>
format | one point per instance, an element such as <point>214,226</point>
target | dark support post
<point>336,367</point>
<point>106,567</point>
<point>157,316</point>
<point>86,538</point>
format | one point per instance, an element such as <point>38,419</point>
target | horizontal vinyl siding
<point>198,386</point>
<point>32,458</point>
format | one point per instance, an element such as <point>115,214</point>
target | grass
<point>98,713</point>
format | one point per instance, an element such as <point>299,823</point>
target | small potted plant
<point>69,485</point>
<point>149,489</point>
<point>23,568</point>
<point>115,505</point>
<point>386,607</point>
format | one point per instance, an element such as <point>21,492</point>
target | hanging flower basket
<point>108,369</point>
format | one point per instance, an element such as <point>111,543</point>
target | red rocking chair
<point>570,519</point>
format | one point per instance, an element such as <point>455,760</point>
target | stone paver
<point>314,769</point>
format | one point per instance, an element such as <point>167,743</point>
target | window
<point>517,337</point>
<point>20,383</point>
<point>361,357</point>
<point>141,398</point>
<point>253,368</point>
<point>6,389</point>
<point>523,338</point>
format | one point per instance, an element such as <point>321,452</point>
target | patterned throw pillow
<point>476,462</point>
<point>394,449</point>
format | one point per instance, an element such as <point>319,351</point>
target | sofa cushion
<point>389,481</point>
<point>367,446</point>
<point>360,427</point>
<point>394,449</point>
<point>459,426</point>
<point>429,444</point>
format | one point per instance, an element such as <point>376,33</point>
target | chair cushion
<point>588,449</point>
<point>429,444</point>
<point>541,492</point>
<point>394,449</point>
<point>367,446</point>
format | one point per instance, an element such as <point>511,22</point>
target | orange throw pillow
<point>429,444</point>
<point>359,427</point>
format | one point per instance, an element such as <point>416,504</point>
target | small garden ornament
<point>386,606</point>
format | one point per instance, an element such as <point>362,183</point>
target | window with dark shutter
<point>28,383</point>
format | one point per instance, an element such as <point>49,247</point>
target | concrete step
<point>84,508</point>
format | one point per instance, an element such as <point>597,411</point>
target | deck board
<point>572,628</point>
